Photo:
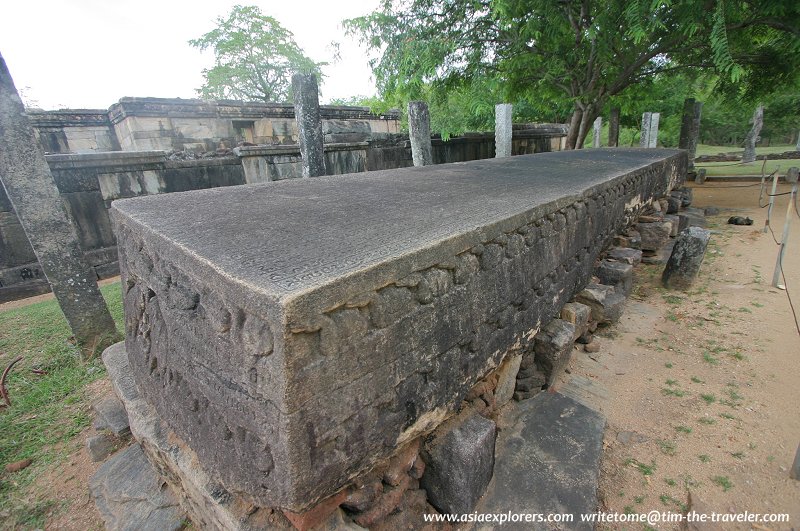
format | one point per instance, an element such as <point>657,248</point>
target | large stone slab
<point>295,333</point>
<point>129,495</point>
<point>547,461</point>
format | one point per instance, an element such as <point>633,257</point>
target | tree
<point>255,58</point>
<point>578,52</point>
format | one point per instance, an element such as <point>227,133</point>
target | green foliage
<point>255,58</point>
<point>568,60</point>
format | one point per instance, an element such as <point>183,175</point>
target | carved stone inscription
<point>288,380</point>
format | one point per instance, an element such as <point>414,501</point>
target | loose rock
<point>460,462</point>
<point>684,263</point>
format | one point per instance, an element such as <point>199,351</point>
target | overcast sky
<point>91,53</point>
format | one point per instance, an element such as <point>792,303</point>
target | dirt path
<point>704,387</point>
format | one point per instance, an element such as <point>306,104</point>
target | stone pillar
<point>309,124</point>
<point>33,193</point>
<point>644,138</point>
<point>687,119</point>
<point>503,129</point>
<point>597,128</point>
<point>752,137</point>
<point>419,130</point>
<point>613,128</point>
<point>694,137</point>
<point>652,138</point>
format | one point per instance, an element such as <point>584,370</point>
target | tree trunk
<point>613,128</point>
<point>589,114</point>
<point>574,125</point>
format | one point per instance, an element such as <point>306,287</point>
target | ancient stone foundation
<point>295,335</point>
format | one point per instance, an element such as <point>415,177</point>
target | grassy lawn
<point>753,168</point>
<point>48,410</point>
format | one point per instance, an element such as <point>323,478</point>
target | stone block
<point>675,224</point>
<point>130,496</point>
<point>100,447</point>
<point>674,204</point>
<point>654,235</point>
<point>293,359</point>
<point>553,348</point>
<point>625,255</point>
<point>578,314</point>
<point>687,255</point>
<point>683,222</point>
<point>460,461</point>
<point>617,274</point>
<point>605,302</point>
<point>111,416</point>
<point>507,379</point>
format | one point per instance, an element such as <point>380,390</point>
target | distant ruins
<point>145,124</point>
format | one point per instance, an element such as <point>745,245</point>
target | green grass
<point>753,168</point>
<point>704,458</point>
<point>708,398</point>
<point>667,447</point>
<point>683,429</point>
<point>646,470</point>
<point>723,482</point>
<point>47,410</point>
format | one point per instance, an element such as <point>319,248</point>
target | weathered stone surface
<point>548,460</point>
<point>753,137</point>
<point>300,356</point>
<point>211,505</point>
<point>605,302</point>
<point>100,446</point>
<point>503,127</point>
<point>578,314</point>
<point>309,124</point>
<point>700,178</point>
<point>530,379</point>
<point>696,217</point>
<point>317,515</point>
<point>654,235</point>
<point>687,255</point>
<point>711,211</point>
<point>597,128</point>
<point>673,204</point>
<point>617,274</point>
<point>553,347</point>
<point>683,222</point>
<point>676,223</point>
<point>460,461</point>
<point>130,494</point>
<point>625,255</point>
<point>30,187</point>
<point>507,380</point>
<point>419,131</point>
<point>111,415</point>
<point>794,473</point>
<point>592,346</point>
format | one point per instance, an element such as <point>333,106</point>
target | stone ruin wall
<point>368,371</point>
<point>145,124</point>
